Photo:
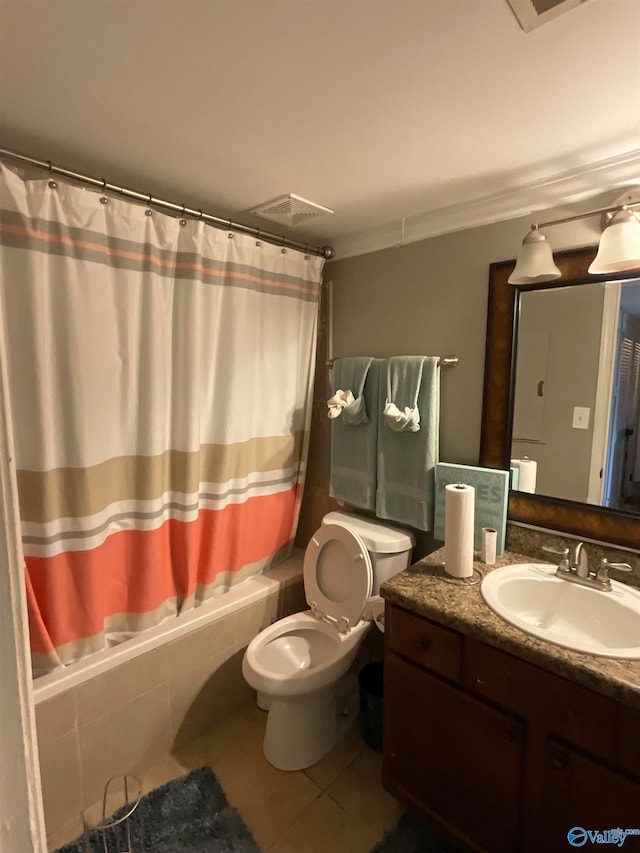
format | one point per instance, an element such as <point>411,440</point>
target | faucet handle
<point>602,574</point>
<point>563,553</point>
<point>605,565</point>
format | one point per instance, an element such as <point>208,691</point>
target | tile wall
<point>131,717</point>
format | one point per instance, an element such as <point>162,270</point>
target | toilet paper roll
<point>527,473</point>
<point>489,539</point>
<point>459,503</point>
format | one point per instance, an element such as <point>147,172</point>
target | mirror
<point>570,505</point>
<point>577,393</point>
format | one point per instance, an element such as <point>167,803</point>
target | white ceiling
<point>385,110</point>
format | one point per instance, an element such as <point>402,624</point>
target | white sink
<point>530,597</point>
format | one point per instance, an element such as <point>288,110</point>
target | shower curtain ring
<point>103,197</point>
<point>230,234</point>
<point>183,221</point>
<point>52,183</point>
<point>259,241</point>
<point>200,214</point>
<point>283,250</point>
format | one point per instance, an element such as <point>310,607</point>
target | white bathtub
<point>248,592</point>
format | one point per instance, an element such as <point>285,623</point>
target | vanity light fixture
<point>535,260</point>
<point>619,249</point>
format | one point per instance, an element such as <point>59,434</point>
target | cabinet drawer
<point>582,717</point>
<point>423,642</point>
<point>506,680</point>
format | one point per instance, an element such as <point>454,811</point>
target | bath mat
<point>187,815</point>
<point>411,835</point>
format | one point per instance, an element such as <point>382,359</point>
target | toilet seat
<point>338,576</point>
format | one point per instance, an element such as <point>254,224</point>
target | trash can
<point>370,679</point>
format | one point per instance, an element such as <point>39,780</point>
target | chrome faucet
<point>579,562</point>
<point>574,567</point>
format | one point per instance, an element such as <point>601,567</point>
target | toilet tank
<point>390,547</point>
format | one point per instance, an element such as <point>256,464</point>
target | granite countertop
<point>423,589</point>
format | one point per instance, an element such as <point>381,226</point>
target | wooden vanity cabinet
<point>455,758</point>
<point>578,791</point>
<point>499,753</point>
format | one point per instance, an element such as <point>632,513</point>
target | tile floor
<point>336,806</point>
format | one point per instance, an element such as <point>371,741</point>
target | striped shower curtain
<point>159,376</point>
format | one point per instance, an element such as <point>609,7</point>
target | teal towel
<point>408,440</point>
<point>354,433</point>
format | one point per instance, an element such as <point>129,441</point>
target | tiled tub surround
<point>423,589</point>
<point>153,694</point>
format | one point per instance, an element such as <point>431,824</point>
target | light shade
<point>535,261</point>
<point>619,249</point>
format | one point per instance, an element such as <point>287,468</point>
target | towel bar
<point>443,361</point>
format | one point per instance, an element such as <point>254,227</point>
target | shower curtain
<point>160,374</point>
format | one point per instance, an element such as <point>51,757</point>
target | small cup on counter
<point>488,552</point>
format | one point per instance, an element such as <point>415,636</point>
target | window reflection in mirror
<point>577,392</point>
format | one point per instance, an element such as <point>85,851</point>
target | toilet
<point>300,664</point>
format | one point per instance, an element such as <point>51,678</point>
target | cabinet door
<point>580,792</point>
<point>452,756</point>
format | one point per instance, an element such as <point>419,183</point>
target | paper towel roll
<point>489,540</point>
<point>459,503</point>
<point>527,473</point>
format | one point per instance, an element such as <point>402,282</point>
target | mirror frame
<point>584,520</point>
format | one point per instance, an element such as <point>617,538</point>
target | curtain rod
<point>326,252</point>
<point>443,361</point>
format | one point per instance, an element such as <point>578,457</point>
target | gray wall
<point>430,298</point>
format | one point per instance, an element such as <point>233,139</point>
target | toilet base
<point>302,730</point>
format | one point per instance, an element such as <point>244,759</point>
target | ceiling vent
<point>535,13</point>
<point>289,209</point>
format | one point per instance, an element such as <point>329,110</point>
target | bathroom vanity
<point>502,740</point>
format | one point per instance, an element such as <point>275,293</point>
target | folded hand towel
<point>409,420</point>
<point>340,400</point>
<point>354,434</point>
<point>408,439</point>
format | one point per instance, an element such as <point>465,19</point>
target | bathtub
<point>285,575</point>
<point>130,707</point>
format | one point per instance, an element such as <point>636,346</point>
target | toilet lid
<point>338,576</point>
